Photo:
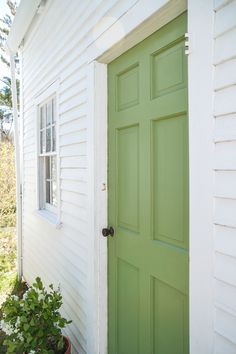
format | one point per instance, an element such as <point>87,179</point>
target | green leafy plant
<point>34,324</point>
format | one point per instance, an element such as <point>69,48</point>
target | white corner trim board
<point>201,127</point>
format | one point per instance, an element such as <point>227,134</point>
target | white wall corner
<point>201,147</point>
<point>97,167</point>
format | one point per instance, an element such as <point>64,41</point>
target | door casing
<point>97,147</point>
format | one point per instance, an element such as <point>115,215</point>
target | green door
<point>148,196</point>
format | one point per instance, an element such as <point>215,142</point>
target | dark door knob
<point>109,231</point>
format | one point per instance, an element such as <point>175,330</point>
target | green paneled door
<point>148,196</point>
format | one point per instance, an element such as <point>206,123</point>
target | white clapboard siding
<point>225,324</point>
<point>57,50</point>
<point>225,127</point>
<point>224,50</point>
<point>225,74</point>
<point>225,294</point>
<point>225,19</point>
<point>225,177</point>
<point>225,156</point>
<point>222,345</point>
<point>225,102</point>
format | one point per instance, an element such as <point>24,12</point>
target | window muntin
<point>48,155</point>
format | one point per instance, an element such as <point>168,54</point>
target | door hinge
<point>186,43</point>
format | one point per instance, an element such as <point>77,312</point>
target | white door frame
<point>143,22</point>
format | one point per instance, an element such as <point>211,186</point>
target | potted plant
<point>34,324</point>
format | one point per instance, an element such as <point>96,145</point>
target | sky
<point>4,70</point>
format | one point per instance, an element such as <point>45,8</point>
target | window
<point>47,156</point>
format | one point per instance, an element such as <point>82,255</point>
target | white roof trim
<point>24,16</point>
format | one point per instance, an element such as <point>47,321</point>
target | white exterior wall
<point>60,45</point>
<point>56,49</point>
<point>225,177</point>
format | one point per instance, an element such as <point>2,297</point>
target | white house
<point>128,120</point>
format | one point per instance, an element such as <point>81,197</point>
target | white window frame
<point>50,213</point>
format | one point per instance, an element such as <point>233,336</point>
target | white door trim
<point>201,179</point>
<point>200,220</point>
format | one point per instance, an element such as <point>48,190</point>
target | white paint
<point>225,127</point>
<point>225,176</point>
<point>224,99</point>
<point>98,206</point>
<point>25,14</point>
<point>225,184</point>
<point>200,76</point>
<point>225,242</point>
<point>225,211</point>
<point>225,74</point>
<point>225,19</point>
<point>224,50</point>
<point>77,48</point>
<point>226,324</point>
<point>225,293</point>
<point>222,345</point>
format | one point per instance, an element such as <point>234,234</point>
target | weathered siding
<point>225,177</point>
<point>55,48</point>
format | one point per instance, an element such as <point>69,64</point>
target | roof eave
<point>24,17</point>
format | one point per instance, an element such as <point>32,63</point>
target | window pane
<point>48,192</point>
<point>53,110</point>
<point>54,138</point>
<point>47,167</point>
<point>54,180</point>
<point>42,142</point>
<point>49,113</point>
<point>48,139</point>
<point>54,193</point>
<point>42,117</point>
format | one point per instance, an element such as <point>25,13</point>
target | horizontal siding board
<point>74,162</point>
<point>74,210</point>
<point>225,268</point>
<point>225,156</point>
<point>225,241</point>
<point>218,4</point>
<point>225,18</point>
<point>225,74</point>
<point>224,48</point>
<point>74,174</point>
<point>223,345</point>
<point>225,102</point>
<point>75,137</point>
<point>75,198</point>
<point>225,211</point>
<point>75,125</point>
<point>73,89</point>
<point>72,102</point>
<point>74,186</point>
<point>73,114</point>
<point>225,184</point>
<point>74,150</point>
<point>225,128</point>
<point>225,295</point>
<point>225,324</point>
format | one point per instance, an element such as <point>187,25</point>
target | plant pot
<point>68,345</point>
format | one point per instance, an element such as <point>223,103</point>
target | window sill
<point>50,217</point>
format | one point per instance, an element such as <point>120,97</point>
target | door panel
<point>148,196</point>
